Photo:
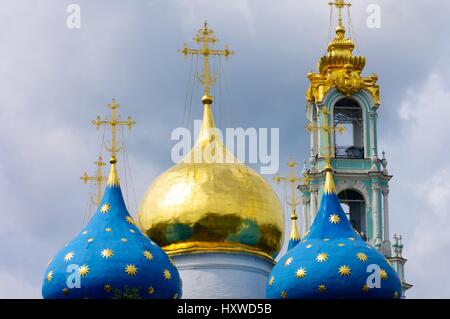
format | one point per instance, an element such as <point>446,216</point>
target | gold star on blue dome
<point>83,270</point>
<point>383,274</point>
<point>344,271</point>
<point>50,276</point>
<point>322,257</point>
<point>301,273</point>
<point>167,275</point>
<point>131,270</point>
<point>362,257</point>
<point>107,253</point>
<point>69,256</point>
<point>335,219</point>
<point>105,208</point>
<point>148,255</point>
<point>288,261</point>
<point>322,288</point>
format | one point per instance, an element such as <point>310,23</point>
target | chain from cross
<point>99,179</point>
<point>326,128</point>
<point>340,4</point>
<point>204,38</point>
<point>113,122</point>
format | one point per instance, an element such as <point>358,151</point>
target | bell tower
<point>342,108</point>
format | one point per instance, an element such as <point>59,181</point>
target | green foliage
<point>128,293</point>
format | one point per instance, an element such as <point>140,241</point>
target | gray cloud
<point>55,80</point>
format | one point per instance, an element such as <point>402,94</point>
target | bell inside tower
<point>350,144</point>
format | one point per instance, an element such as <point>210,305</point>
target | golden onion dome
<point>340,54</point>
<point>210,202</point>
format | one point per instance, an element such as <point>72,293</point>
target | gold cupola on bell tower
<point>210,202</point>
<point>339,68</point>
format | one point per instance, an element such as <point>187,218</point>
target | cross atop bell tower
<point>340,4</point>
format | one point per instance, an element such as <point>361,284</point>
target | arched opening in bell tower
<point>348,113</point>
<point>354,206</point>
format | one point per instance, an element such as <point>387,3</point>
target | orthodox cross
<point>204,38</point>
<point>326,128</point>
<point>99,178</point>
<point>340,4</point>
<point>292,179</point>
<point>114,122</point>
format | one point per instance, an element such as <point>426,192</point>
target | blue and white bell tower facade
<point>362,180</point>
<point>342,109</point>
<point>347,128</point>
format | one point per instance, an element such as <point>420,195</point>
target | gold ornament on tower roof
<point>339,68</point>
<point>210,202</point>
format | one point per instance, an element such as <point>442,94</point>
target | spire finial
<point>113,178</point>
<point>204,38</point>
<point>340,4</point>
<point>98,178</point>
<point>114,122</point>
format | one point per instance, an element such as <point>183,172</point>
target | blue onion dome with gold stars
<point>111,258</point>
<point>332,261</point>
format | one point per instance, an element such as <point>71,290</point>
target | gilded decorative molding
<point>340,69</point>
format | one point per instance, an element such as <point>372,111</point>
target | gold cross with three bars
<point>294,200</point>
<point>99,178</point>
<point>204,38</point>
<point>327,129</point>
<point>340,4</point>
<point>114,122</point>
<point>292,179</point>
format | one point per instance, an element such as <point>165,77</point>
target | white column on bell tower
<point>376,215</point>
<point>373,151</point>
<point>314,207</point>
<point>306,223</point>
<point>385,193</point>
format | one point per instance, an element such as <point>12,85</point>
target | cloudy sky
<point>55,80</point>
